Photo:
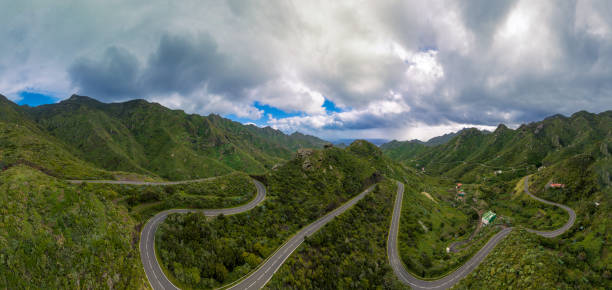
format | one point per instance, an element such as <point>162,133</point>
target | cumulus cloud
<point>393,67</point>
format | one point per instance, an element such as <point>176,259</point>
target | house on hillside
<point>488,217</point>
<point>557,185</point>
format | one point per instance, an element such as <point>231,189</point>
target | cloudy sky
<point>335,69</point>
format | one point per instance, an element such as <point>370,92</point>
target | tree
<point>220,272</point>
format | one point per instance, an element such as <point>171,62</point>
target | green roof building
<point>488,217</point>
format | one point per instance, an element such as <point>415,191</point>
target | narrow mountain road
<point>142,182</point>
<point>456,246</point>
<point>454,277</point>
<point>156,276</point>
<point>559,231</point>
<point>264,273</point>
<point>256,279</point>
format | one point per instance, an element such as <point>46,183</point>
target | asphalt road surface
<point>141,182</point>
<point>559,231</point>
<point>156,276</point>
<point>263,274</point>
<point>454,277</point>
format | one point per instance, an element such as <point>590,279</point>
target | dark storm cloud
<point>180,64</point>
<point>388,64</point>
<point>483,16</point>
<point>114,76</point>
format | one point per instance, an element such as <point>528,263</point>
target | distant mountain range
<point>82,137</point>
<point>344,142</point>
<point>471,151</point>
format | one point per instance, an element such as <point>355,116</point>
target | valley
<point>135,196</point>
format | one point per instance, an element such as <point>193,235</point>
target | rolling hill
<point>149,139</point>
<point>473,153</point>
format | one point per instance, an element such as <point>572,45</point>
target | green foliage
<point>145,201</point>
<point>19,144</point>
<point>474,155</point>
<point>349,252</point>
<point>428,227</point>
<point>150,139</point>
<point>299,192</point>
<point>517,208</point>
<point>579,258</point>
<point>54,235</point>
<point>517,262</point>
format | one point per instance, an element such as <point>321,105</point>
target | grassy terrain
<point>579,258</point>
<point>20,144</point>
<point>304,189</point>
<point>518,262</point>
<point>147,138</point>
<point>145,201</point>
<point>518,208</point>
<point>349,252</point>
<point>55,235</point>
<point>428,227</point>
<point>474,155</point>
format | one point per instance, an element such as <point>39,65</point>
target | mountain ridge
<point>150,139</point>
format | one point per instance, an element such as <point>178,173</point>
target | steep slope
<point>473,152</point>
<point>300,191</point>
<point>148,138</point>
<point>23,142</point>
<point>59,236</point>
<point>403,150</point>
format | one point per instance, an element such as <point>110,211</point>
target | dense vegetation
<point>431,220</point>
<point>304,189</point>
<point>54,235</point>
<point>147,138</point>
<point>474,155</point>
<point>349,252</point>
<point>23,142</point>
<point>144,201</point>
<point>579,258</point>
<point>59,235</point>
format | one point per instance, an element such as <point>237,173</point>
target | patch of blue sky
<point>426,48</point>
<point>262,122</point>
<point>330,106</point>
<point>34,99</point>
<point>276,113</point>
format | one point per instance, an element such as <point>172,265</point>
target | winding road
<point>264,273</point>
<point>156,276</point>
<point>454,277</point>
<point>258,278</point>
<point>254,280</point>
<point>142,182</point>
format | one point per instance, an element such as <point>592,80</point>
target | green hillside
<point>23,142</point>
<point>59,235</point>
<point>55,235</point>
<point>474,154</point>
<point>149,139</point>
<point>302,190</point>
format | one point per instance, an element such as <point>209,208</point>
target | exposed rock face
<point>555,141</point>
<point>537,130</point>
<point>303,153</point>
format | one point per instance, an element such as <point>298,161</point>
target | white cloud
<point>204,103</point>
<point>392,66</point>
<point>289,96</point>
